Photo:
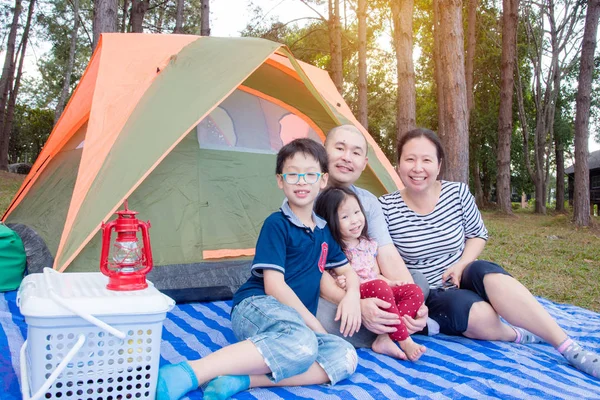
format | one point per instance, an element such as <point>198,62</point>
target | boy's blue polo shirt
<point>287,245</point>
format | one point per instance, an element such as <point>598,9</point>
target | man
<point>347,152</point>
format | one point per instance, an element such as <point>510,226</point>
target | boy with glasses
<point>273,315</point>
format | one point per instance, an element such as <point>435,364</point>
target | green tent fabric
<point>194,154</point>
<point>12,259</point>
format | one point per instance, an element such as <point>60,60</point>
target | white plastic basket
<point>87,342</point>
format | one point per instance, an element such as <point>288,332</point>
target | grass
<point>9,184</point>
<point>547,253</point>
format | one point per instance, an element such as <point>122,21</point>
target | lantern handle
<point>145,226</point>
<point>106,231</point>
<point>88,317</point>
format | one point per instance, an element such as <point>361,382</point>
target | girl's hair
<point>327,206</point>
<point>417,133</point>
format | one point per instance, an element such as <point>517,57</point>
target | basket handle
<point>88,317</point>
<point>53,376</point>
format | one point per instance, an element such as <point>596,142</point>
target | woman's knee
<point>483,320</point>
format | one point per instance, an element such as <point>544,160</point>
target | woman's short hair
<point>417,133</point>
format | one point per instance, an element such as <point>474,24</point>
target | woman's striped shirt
<point>433,242</point>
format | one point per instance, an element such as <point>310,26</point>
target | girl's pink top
<point>362,259</point>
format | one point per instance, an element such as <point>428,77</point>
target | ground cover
<point>9,184</point>
<point>548,254</point>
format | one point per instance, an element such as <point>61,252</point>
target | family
<point>334,257</point>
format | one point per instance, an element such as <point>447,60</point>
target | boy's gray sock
<point>577,356</point>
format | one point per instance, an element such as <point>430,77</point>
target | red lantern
<point>127,264</point>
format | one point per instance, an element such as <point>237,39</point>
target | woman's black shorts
<point>450,307</point>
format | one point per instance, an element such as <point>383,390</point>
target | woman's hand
<point>454,273</point>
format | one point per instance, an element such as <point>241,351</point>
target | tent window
<point>246,122</point>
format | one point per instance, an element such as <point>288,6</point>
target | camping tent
<point>186,128</point>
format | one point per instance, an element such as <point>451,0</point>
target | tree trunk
<point>486,184</point>
<point>470,52</point>
<point>67,83</point>
<point>138,11</point>
<point>105,18</point>
<point>455,93</point>
<point>441,131</point>
<point>179,17</point>
<point>12,100</point>
<point>476,175</point>
<point>362,64</point>
<point>6,80</point>
<point>402,17</point>
<point>469,68</point>
<point>335,45</point>
<point>546,76</point>
<point>505,118</point>
<point>581,202</point>
<point>124,16</point>
<point>159,18</point>
<point>539,181</point>
<point>560,176</point>
<point>205,18</point>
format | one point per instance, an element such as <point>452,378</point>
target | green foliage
<point>54,24</point>
<point>31,128</point>
<point>424,66</point>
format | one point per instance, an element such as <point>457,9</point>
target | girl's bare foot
<point>384,345</point>
<point>412,350</point>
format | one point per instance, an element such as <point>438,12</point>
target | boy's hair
<point>327,205</point>
<point>305,146</point>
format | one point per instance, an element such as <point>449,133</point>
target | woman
<point>438,230</point>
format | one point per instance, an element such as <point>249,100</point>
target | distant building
<point>594,166</point>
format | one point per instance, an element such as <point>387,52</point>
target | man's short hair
<point>305,146</point>
<point>349,128</point>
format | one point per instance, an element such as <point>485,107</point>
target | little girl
<point>344,214</point>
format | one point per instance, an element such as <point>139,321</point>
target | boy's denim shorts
<point>288,346</point>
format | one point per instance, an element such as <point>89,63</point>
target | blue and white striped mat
<point>452,367</point>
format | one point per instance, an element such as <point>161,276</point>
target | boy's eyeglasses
<point>294,179</point>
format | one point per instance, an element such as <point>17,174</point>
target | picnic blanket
<point>452,367</point>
